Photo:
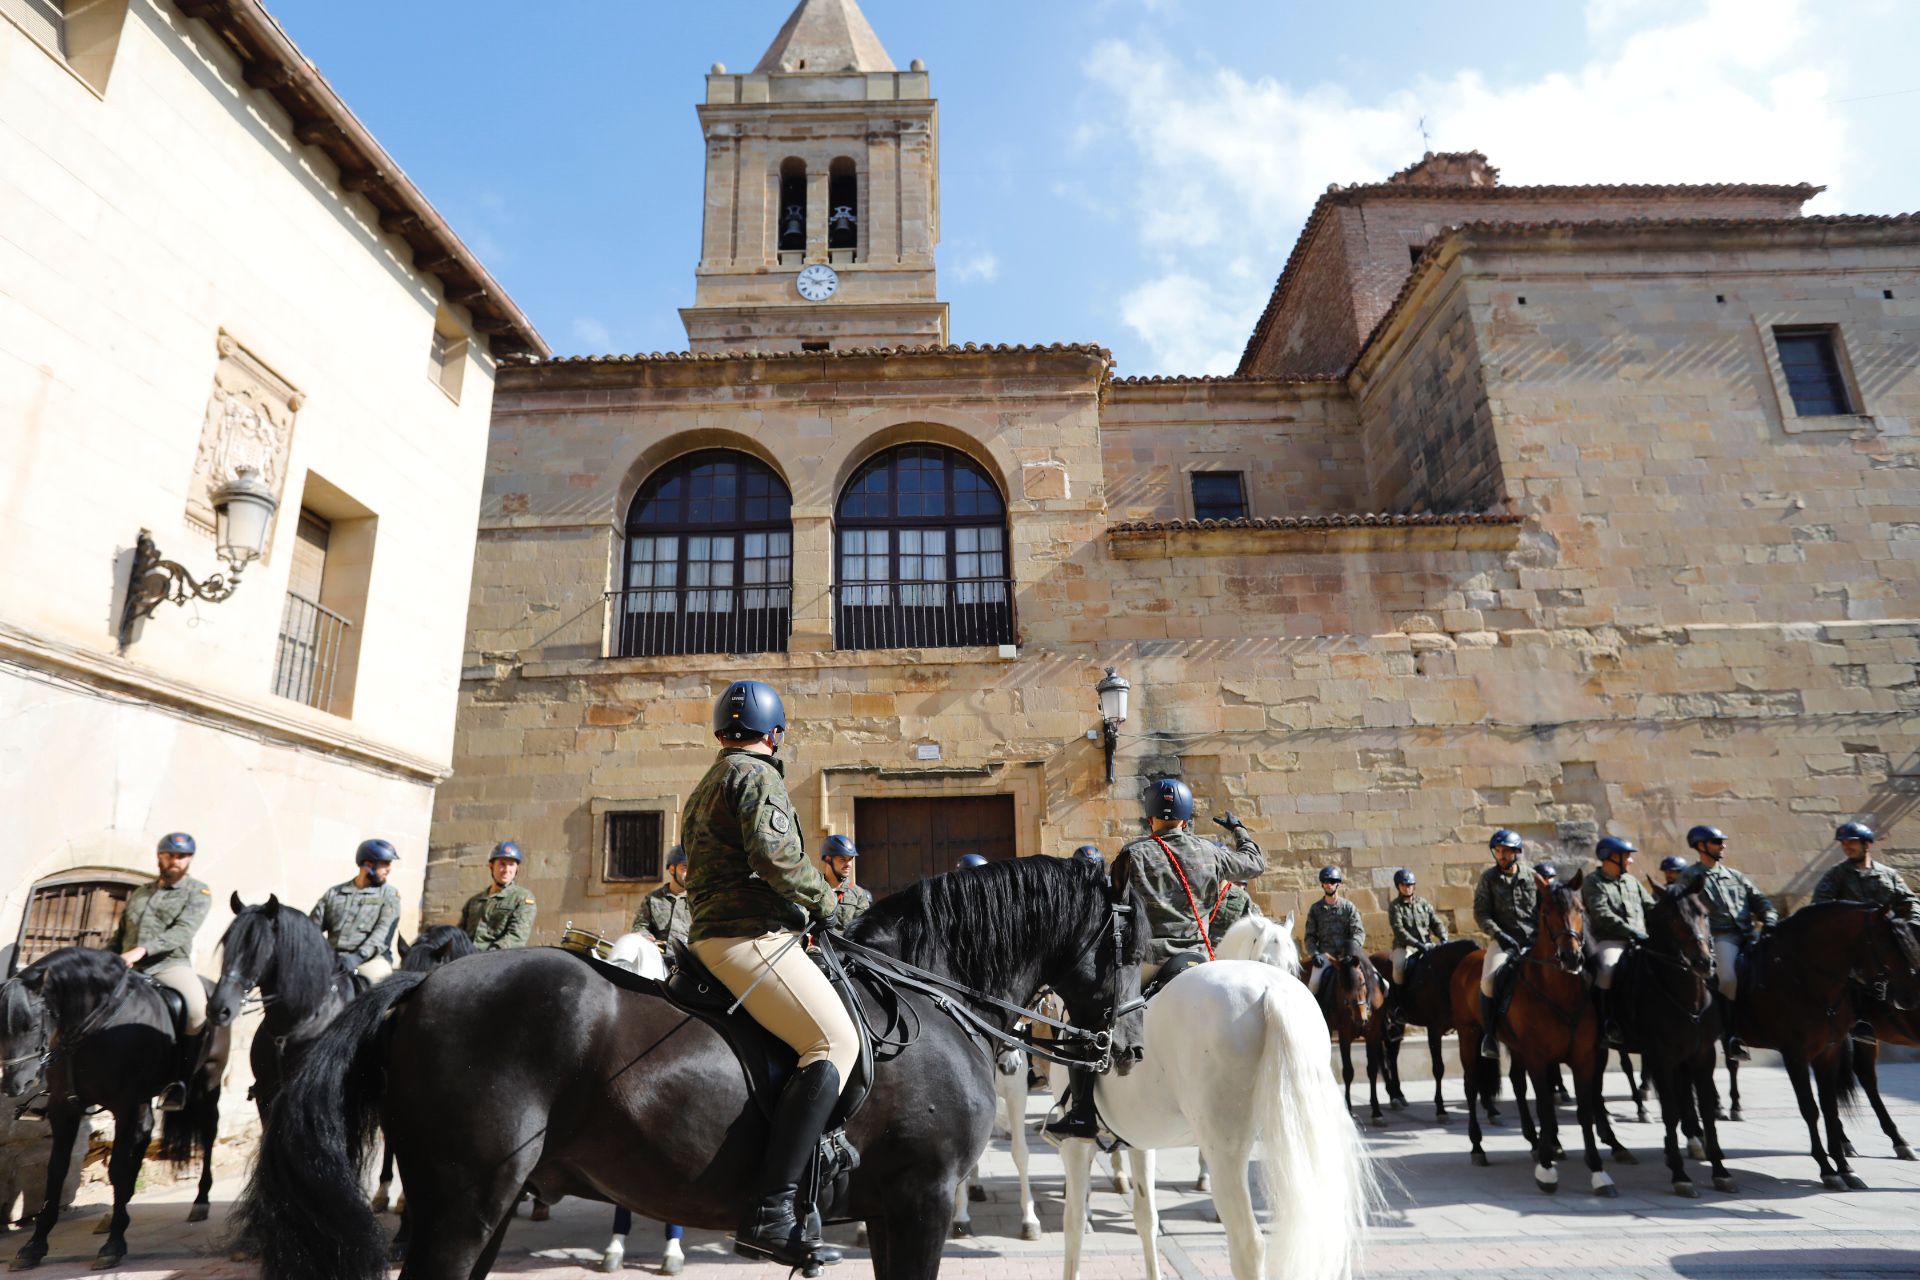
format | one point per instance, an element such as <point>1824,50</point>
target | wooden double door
<point>902,841</point>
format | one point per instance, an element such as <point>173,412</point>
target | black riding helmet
<point>748,709</point>
<point>1171,799</point>
<point>1701,834</point>
<point>1332,875</point>
<point>1673,862</point>
<point>1854,831</point>
<point>1611,846</point>
<point>1090,853</point>
<point>1404,876</point>
<point>375,850</point>
<point>1505,839</point>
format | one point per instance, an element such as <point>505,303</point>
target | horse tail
<point>304,1208</point>
<point>178,1129</point>
<point>1318,1179</point>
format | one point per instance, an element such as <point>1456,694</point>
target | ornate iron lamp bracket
<point>155,580</point>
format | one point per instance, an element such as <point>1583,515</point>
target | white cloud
<point>1228,165</point>
<point>982,266</point>
<point>594,337</point>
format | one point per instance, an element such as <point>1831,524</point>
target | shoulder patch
<point>207,891</point>
<point>529,899</point>
<point>778,821</point>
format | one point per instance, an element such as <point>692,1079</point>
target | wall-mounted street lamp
<point>242,510</point>
<point>1113,689</point>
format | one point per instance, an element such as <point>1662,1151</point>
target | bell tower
<point>822,196</point>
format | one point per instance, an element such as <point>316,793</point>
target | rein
<point>1192,904</point>
<point>56,1046</point>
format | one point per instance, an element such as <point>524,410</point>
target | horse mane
<point>988,923</point>
<point>71,981</point>
<point>436,945</point>
<point>1815,914</point>
<point>19,1011</point>
<point>304,965</point>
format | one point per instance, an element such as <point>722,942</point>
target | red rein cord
<point>1192,905</point>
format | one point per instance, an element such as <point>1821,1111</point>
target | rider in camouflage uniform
<point>359,916</point>
<point>1616,904</point>
<point>1416,925</point>
<point>1504,903</point>
<point>155,937</point>
<point>1333,927</point>
<point>839,856</point>
<point>666,914</point>
<point>1672,867</point>
<point>1736,913</point>
<point>1860,878</point>
<point>500,916</point>
<point>753,887</point>
<point>1176,874</point>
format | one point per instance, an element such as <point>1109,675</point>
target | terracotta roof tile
<point>839,353</point>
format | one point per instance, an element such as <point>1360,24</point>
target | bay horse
<point>1352,999</point>
<point>1425,999</point>
<point>83,1030</point>
<point>528,1067</point>
<point>303,987</point>
<point>1800,993</point>
<point>1236,1061</point>
<point>1663,1000</point>
<point>1549,1021</point>
<point>1890,1026</point>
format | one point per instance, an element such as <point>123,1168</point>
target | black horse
<point>436,945</point>
<point>302,985</point>
<point>528,1067</point>
<point>1664,1003</point>
<point>80,1029</point>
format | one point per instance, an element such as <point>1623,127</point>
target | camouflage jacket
<point>1734,904</point>
<point>1231,907</point>
<point>1616,907</point>
<point>747,867</point>
<point>1415,923</point>
<point>665,916</point>
<point>1505,903</point>
<point>163,920</point>
<point>498,921</point>
<point>1334,927</point>
<point>1144,864</point>
<point>359,922</point>
<point>853,903</point>
<point>1879,884</point>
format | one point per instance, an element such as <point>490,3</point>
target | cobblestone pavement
<point>1444,1217</point>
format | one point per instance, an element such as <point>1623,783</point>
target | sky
<point>1126,172</point>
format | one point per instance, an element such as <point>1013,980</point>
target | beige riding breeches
<point>376,970</point>
<point>179,976</point>
<point>1313,978</point>
<point>794,1001</point>
<point>1726,962</point>
<point>1399,964</point>
<point>1496,961</point>
<point>1605,956</point>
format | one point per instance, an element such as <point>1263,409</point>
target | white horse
<point>1010,1083</point>
<point>1236,1056</point>
<point>640,953</point>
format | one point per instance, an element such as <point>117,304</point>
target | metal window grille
<point>307,665</point>
<point>81,913</point>
<point>1219,495</point>
<point>44,20</point>
<point>1811,364</point>
<point>633,846</point>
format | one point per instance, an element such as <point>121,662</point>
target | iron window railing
<point>923,613</point>
<point>657,622</point>
<point>307,665</point>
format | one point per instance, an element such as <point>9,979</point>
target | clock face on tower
<point>817,283</point>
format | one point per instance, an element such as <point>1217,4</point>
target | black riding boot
<point>1729,1042</point>
<point>186,1065</point>
<point>1610,1021</point>
<point>772,1226</point>
<point>1502,997</point>
<point>1079,1119</point>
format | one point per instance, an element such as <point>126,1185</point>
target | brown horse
<point>1801,990</point>
<point>1425,999</point>
<point>1549,1021</point>
<point>1353,999</point>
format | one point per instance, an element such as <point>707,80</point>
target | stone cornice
<point>1167,539</point>
<point>862,364</point>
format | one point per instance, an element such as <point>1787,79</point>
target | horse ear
<point>237,905</point>
<point>1578,876</point>
<point>404,946</point>
<point>1651,885</point>
<point>272,907</point>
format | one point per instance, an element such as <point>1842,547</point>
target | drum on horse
<point>1353,1000</point>
<point>613,1094</point>
<point>82,1030</point>
<point>436,945</point>
<point>1800,992</point>
<point>1549,1021</point>
<point>1424,998</point>
<point>281,953</point>
<point>1236,1058</point>
<point>1663,1001</point>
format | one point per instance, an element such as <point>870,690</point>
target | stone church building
<point>1572,509</point>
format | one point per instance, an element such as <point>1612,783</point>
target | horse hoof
<point>1607,1192</point>
<point>860,1237</point>
<point>1696,1150</point>
<point>1846,1149</point>
<point>1480,1158</point>
<point>1546,1188</point>
<point>1903,1151</point>
<point>108,1258</point>
<point>1441,1113</point>
<point>28,1258</point>
<point>1641,1116</point>
<point>1029,1231</point>
<point>961,1230</point>
<point>1398,1104</point>
<point>977,1193</point>
<point>1623,1156</point>
<point>105,1224</point>
<point>199,1211</point>
<point>1725,1184</point>
<point>1685,1191</point>
<point>1855,1182</point>
<point>1832,1182</point>
<point>541,1212</point>
<point>379,1204</point>
<point>673,1264</point>
<point>1204,1183</point>
<point>1733,1115</point>
<point>1559,1152</point>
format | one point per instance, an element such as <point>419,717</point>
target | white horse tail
<point>1319,1182</point>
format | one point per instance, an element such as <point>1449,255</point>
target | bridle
<point>50,1052</point>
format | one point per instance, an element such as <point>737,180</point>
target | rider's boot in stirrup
<point>1079,1119</point>
<point>769,1227</point>
<point>1610,1022</point>
<point>174,1096</point>
<point>1730,1043</point>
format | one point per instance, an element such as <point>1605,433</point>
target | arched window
<point>790,220</point>
<point>709,566</point>
<point>80,909</point>
<point>923,554</point>
<point>843,211</point>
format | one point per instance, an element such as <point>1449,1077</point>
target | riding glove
<point>1229,821</point>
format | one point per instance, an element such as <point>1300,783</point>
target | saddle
<point>176,1006</point>
<point>1178,964</point>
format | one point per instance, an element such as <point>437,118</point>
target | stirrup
<point>173,1097</point>
<point>1735,1051</point>
<point>1489,1047</point>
